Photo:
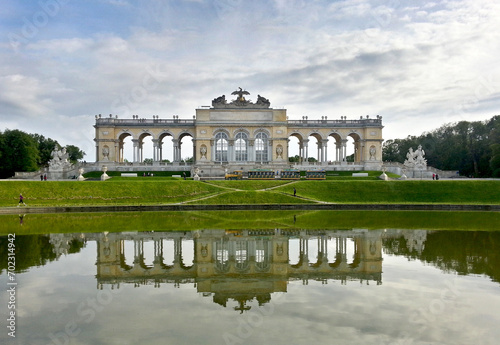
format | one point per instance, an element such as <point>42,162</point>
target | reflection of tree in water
<point>35,250</point>
<point>465,252</point>
<point>31,250</point>
<point>241,299</point>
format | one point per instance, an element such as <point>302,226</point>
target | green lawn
<point>151,191</point>
<point>110,192</point>
<point>250,197</point>
<point>249,184</point>
<point>415,191</point>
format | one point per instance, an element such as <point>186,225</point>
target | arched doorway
<point>185,147</point>
<point>353,147</point>
<point>165,147</point>
<point>295,147</point>
<point>125,148</point>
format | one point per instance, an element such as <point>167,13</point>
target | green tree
<point>494,126</point>
<point>74,153</point>
<point>19,152</point>
<point>45,148</point>
<point>464,146</point>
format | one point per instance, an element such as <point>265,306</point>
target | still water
<point>260,286</point>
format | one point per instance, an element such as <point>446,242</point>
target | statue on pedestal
<point>59,159</point>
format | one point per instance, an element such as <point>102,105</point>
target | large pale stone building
<point>241,135</point>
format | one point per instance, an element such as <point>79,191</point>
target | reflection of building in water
<point>62,243</point>
<point>242,265</point>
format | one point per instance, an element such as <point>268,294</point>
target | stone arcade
<point>240,135</point>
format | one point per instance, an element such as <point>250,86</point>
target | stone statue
<point>415,160</point>
<point>219,101</point>
<point>240,94</point>
<point>59,159</point>
<point>279,151</point>
<point>420,161</point>
<point>240,101</point>
<point>373,151</point>
<point>105,153</point>
<point>262,101</point>
<point>203,151</point>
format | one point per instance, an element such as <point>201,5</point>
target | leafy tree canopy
<point>23,152</point>
<point>469,147</point>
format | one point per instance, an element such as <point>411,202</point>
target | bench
<point>128,174</point>
<point>359,174</point>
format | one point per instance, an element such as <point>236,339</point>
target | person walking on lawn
<point>21,200</point>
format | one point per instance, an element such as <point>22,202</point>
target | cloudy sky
<point>419,64</point>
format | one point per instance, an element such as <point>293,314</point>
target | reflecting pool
<point>253,286</point>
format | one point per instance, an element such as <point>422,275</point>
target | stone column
<point>319,155</point>
<point>230,150</point>
<point>212,150</point>
<point>175,156</point>
<point>270,151</point>
<point>155,150</point>
<point>344,150</point>
<point>251,150</point>
<point>306,149</point>
<point>325,150</point>
<point>135,150</point>
<point>194,150</point>
<point>97,157</point>
<point>116,153</point>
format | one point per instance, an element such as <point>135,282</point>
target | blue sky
<point>419,64</point>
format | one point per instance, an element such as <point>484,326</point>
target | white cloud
<point>316,58</point>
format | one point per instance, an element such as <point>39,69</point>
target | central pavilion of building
<point>240,135</point>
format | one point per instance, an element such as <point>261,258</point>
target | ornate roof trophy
<point>240,101</point>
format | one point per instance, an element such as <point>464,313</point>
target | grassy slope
<point>453,192</point>
<point>120,192</point>
<point>250,185</point>
<point>250,197</point>
<point>162,191</point>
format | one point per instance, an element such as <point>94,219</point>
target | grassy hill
<point>153,191</point>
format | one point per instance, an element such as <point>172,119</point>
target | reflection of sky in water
<point>416,304</point>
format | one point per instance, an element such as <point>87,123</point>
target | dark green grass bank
<point>74,193</point>
<point>154,192</point>
<point>388,192</point>
<point>241,220</point>
<point>250,185</point>
<point>250,197</point>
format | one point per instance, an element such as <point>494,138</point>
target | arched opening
<point>261,147</point>
<point>221,146</point>
<point>315,149</point>
<point>125,148</point>
<point>145,148</point>
<point>165,148</point>
<point>241,147</point>
<point>295,148</point>
<point>353,148</point>
<point>334,148</point>
<point>186,152</point>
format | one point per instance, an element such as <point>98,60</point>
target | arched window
<point>221,147</point>
<point>241,147</point>
<point>261,147</point>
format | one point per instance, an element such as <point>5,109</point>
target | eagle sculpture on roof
<point>240,94</point>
